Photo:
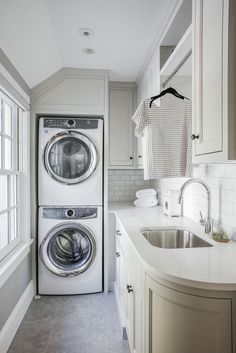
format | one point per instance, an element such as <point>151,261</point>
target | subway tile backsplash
<point>123,184</point>
<point>222,181</point>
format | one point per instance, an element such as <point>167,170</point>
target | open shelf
<point>180,52</point>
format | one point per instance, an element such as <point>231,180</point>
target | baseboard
<point>11,326</point>
<point>111,286</point>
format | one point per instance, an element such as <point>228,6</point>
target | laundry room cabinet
<point>128,289</point>
<point>182,323</point>
<point>72,91</point>
<point>214,86</point>
<point>122,143</point>
<point>161,316</point>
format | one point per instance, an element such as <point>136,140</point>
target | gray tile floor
<point>71,324</point>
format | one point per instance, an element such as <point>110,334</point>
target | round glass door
<point>70,157</point>
<point>68,249</point>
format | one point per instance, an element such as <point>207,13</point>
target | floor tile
<point>71,324</point>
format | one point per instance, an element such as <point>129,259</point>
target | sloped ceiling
<point>42,36</point>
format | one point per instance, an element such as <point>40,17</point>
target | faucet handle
<point>202,220</point>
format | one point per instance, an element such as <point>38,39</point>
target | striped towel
<point>167,134</point>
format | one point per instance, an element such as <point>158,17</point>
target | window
<point>10,174</point>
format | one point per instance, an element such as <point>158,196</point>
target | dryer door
<point>70,157</point>
<point>68,249</point>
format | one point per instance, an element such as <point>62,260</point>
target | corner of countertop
<point>119,205</point>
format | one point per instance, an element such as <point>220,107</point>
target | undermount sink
<point>170,238</point>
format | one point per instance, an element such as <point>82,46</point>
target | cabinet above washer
<point>74,91</point>
<point>122,143</point>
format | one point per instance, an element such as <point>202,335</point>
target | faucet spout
<point>207,222</point>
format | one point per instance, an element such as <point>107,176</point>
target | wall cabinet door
<point>121,129</point>
<point>182,323</point>
<point>214,71</point>
<point>71,91</point>
<point>209,75</point>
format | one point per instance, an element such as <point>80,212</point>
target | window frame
<point>20,169</point>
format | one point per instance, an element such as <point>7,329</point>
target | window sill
<point>13,260</point>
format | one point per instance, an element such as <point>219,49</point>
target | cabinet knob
<point>139,156</point>
<point>117,254</point>
<point>130,157</point>
<point>118,232</point>
<point>193,137</point>
<point>129,288</point>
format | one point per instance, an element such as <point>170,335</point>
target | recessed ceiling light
<point>88,50</point>
<point>86,32</point>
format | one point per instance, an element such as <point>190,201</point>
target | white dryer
<point>70,169</point>
<point>70,244</point>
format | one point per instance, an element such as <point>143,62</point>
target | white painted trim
<point>11,80</point>
<point>13,260</point>
<point>11,326</point>
<point>111,286</point>
<point>159,36</point>
<point>66,72</point>
<point>105,186</point>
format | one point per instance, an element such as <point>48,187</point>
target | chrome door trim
<point>85,140</point>
<point>55,268</point>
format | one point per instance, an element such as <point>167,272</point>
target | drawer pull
<point>117,254</point>
<point>118,232</point>
<point>129,288</point>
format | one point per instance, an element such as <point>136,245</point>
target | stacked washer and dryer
<point>70,199</point>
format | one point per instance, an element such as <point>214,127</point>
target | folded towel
<point>146,193</point>
<point>147,197</point>
<point>148,203</point>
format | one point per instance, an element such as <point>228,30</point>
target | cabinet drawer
<point>121,237</point>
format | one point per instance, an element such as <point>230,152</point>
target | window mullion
<point>3,138</point>
<point>9,207</point>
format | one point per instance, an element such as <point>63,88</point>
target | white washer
<point>70,169</point>
<point>70,246</point>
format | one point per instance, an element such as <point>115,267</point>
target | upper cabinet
<point>72,91</point>
<point>122,144</point>
<point>214,72</point>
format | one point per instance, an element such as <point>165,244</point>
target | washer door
<point>70,157</point>
<point>68,249</point>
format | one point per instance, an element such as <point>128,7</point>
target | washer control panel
<point>69,213</point>
<point>70,122</point>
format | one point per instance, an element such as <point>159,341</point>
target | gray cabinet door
<point>182,323</point>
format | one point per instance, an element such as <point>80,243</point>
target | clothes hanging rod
<point>169,78</point>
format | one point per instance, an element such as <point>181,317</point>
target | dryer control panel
<point>70,122</point>
<point>69,213</point>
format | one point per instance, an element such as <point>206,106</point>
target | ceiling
<point>42,36</point>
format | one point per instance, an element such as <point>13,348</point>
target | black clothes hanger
<point>169,90</point>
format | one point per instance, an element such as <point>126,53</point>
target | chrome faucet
<point>206,222</point>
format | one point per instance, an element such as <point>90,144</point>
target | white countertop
<point>211,268</point>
